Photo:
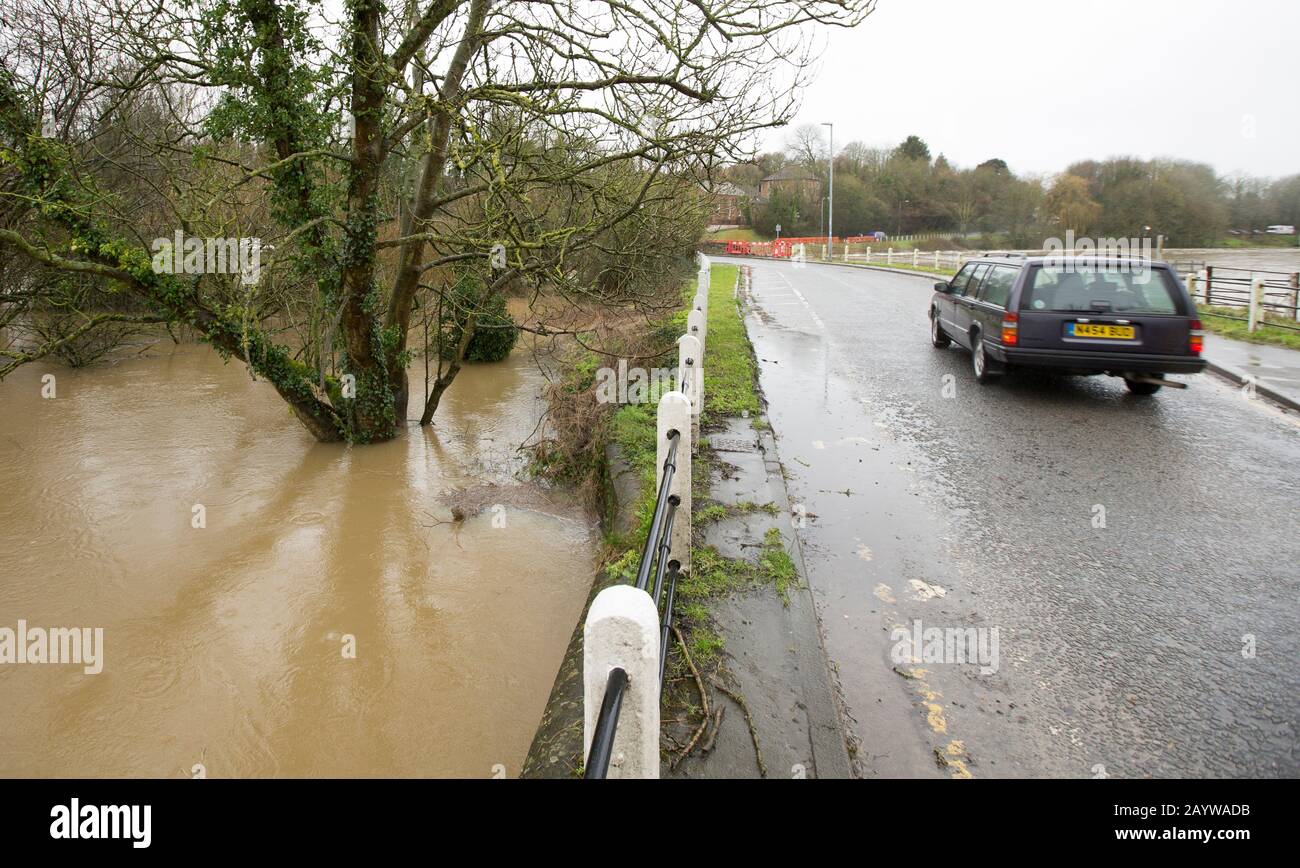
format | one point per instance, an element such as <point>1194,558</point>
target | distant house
<point>728,204</point>
<point>790,179</point>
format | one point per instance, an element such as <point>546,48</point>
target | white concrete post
<point>846,251</point>
<point>889,256</point>
<point>916,257</point>
<point>695,327</point>
<point>700,306</point>
<point>868,254</point>
<point>690,379</point>
<point>702,283</point>
<point>1194,287</point>
<point>1256,304</point>
<point>675,415</point>
<point>936,259</point>
<point>622,631</point>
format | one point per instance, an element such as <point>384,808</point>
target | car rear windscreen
<point>1118,288</point>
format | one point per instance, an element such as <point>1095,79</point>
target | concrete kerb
<point>1238,378</point>
<point>828,731</point>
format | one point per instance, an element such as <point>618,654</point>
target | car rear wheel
<point>985,368</point>
<point>1138,387</point>
<point>937,336</point>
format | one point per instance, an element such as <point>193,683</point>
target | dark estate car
<point>1127,317</point>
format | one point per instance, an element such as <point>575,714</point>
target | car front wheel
<point>937,336</point>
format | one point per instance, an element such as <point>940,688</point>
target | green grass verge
<point>705,512</point>
<point>1213,320</point>
<point>728,357</point>
<point>728,390</point>
<point>1256,242</point>
<point>740,234</point>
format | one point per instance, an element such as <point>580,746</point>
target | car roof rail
<point>1006,254</point>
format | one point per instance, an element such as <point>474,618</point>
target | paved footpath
<point>775,658</point>
<point>1274,370</point>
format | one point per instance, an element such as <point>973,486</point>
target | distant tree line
<point>904,190</point>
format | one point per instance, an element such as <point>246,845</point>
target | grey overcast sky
<point>1042,83</point>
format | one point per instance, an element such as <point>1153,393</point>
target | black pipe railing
<point>667,620</point>
<point>665,545</point>
<point>661,507</point>
<point>658,544</point>
<point>602,740</point>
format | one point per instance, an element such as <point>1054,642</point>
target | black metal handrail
<point>658,545</point>
<point>602,741</point>
<point>667,618</point>
<point>661,507</point>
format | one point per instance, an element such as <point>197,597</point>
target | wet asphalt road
<point>1127,550</point>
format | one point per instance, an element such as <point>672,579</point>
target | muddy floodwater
<point>1284,259</point>
<point>226,647</point>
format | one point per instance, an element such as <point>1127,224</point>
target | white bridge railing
<point>625,636</point>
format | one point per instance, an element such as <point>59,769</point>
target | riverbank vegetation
<point>379,156</point>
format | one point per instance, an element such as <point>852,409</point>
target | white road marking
<point>799,295</point>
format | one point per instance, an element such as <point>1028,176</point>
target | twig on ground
<point>749,721</point>
<point>713,736</point>
<point>704,699</point>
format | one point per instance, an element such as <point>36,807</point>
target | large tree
<point>382,154</point>
<point>914,148</point>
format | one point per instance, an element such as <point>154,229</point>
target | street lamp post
<point>830,210</point>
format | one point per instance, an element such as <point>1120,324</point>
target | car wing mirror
<point>943,286</point>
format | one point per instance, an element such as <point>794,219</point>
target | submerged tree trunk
<point>445,378</point>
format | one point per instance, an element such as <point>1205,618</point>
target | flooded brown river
<point>1284,259</point>
<point>228,646</point>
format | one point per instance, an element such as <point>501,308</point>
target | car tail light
<point>1196,342</point>
<point>1010,328</point>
